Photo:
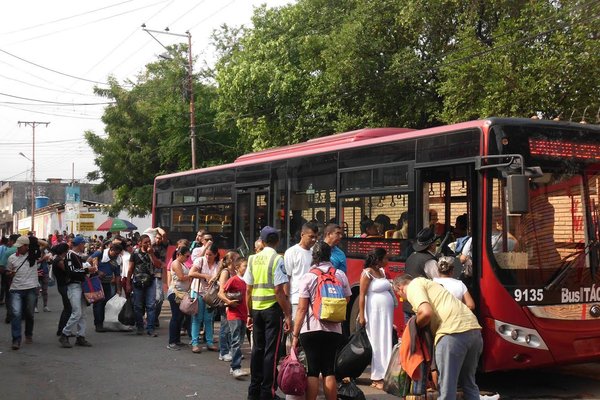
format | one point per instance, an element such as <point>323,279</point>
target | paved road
<point>119,366</point>
<point>125,366</point>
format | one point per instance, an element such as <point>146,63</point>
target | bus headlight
<point>520,335</point>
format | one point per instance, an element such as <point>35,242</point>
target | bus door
<point>446,204</point>
<point>252,210</point>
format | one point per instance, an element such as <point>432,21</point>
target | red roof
<point>335,142</point>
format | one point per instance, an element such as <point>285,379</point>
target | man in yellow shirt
<point>458,341</point>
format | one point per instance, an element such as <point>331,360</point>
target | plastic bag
<point>349,391</point>
<point>396,381</point>
<point>291,378</point>
<point>111,314</point>
<point>355,356</point>
<point>127,315</point>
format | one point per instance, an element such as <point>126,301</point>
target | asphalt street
<point>120,365</point>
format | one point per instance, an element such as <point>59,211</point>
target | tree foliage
<point>148,132</point>
<point>316,67</point>
<point>322,66</point>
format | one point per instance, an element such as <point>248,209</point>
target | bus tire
<point>353,317</point>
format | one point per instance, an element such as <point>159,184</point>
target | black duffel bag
<point>355,356</point>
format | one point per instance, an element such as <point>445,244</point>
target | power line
<point>213,14</point>
<point>64,18</point>
<point>57,103</point>
<point>14,176</point>
<point>187,12</point>
<point>53,70</point>
<point>45,88</point>
<point>45,35</point>
<point>82,116</point>
<point>127,38</point>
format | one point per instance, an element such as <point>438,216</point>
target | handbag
<point>234,296</point>
<point>211,297</point>
<point>92,289</point>
<point>179,295</point>
<point>188,305</point>
<point>354,357</point>
<point>291,378</point>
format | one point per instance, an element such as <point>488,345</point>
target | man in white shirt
<point>298,260</point>
<point>23,288</point>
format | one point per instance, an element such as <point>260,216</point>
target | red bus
<point>530,190</point>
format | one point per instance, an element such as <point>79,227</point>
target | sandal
<point>377,385</point>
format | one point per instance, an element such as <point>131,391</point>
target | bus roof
<point>357,138</point>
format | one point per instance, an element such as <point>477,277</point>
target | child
<point>237,311</point>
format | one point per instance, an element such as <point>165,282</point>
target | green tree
<point>148,132</point>
<point>515,58</point>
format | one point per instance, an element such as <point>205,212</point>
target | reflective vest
<point>262,267</point>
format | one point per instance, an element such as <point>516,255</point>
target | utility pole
<point>190,81</point>
<point>33,124</point>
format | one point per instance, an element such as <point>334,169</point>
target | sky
<point>52,54</point>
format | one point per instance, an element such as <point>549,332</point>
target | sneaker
<point>36,310</point>
<point>28,339</point>
<point>226,357</point>
<point>64,341</point>
<point>152,334</point>
<point>239,373</point>
<point>16,345</point>
<point>46,309</point>
<point>100,328</point>
<point>173,346</point>
<point>196,349</point>
<point>80,341</point>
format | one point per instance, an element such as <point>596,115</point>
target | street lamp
<point>32,187</point>
<point>190,81</point>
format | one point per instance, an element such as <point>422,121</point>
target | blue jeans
<point>145,299</point>
<point>22,305</point>
<point>457,356</point>
<point>99,307</point>
<point>224,334</point>
<point>76,323</point>
<point>176,320</point>
<point>203,316</point>
<point>237,327</point>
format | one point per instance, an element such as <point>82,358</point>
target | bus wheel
<point>353,318</point>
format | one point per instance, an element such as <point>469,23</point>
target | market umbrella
<point>116,225</point>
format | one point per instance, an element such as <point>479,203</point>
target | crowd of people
<point>269,295</point>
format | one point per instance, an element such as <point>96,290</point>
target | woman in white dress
<point>376,312</point>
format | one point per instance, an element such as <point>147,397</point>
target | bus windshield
<point>550,254</point>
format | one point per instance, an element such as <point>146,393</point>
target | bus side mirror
<point>518,194</point>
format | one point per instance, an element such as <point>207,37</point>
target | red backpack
<point>329,303</point>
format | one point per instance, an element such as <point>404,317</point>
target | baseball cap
<point>79,240</point>
<point>22,241</point>
<point>266,231</point>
